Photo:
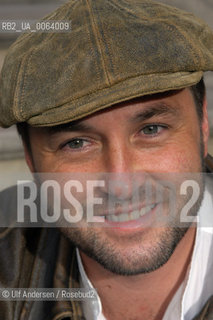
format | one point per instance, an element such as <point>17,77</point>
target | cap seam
<point>21,115</point>
<point>18,89</point>
<point>108,46</point>
<point>95,61</point>
<point>26,61</point>
<point>98,39</point>
<point>12,110</point>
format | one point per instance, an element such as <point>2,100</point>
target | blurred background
<point>11,150</point>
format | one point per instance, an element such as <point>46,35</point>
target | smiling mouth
<point>133,215</point>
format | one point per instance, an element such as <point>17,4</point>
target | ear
<point>205,127</point>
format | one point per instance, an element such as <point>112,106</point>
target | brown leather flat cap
<point>116,50</point>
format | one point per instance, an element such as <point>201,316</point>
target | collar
<point>92,309</point>
<point>197,287</point>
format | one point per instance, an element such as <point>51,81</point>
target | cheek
<point>173,157</point>
<point>180,162</point>
<point>48,162</point>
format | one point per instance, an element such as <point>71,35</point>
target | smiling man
<point>119,99</point>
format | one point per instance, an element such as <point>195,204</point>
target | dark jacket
<point>44,258</point>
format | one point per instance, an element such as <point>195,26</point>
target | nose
<point>118,157</point>
<point>120,170</point>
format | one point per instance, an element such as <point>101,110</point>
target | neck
<point>134,295</point>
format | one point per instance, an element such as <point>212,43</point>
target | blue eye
<point>76,143</point>
<point>152,129</point>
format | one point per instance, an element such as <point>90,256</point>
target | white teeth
<point>123,217</point>
<point>145,210</point>
<point>112,217</point>
<point>134,215</point>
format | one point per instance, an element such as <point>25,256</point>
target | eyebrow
<point>155,110</point>
<point>70,127</point>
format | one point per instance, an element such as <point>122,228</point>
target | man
<point>120,97</point>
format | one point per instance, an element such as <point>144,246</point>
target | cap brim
<point>109,96</point>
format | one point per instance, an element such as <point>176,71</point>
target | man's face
<point>149,136</point>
